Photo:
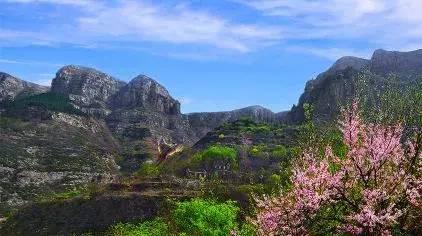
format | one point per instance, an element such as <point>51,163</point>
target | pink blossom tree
<point>377,183</point>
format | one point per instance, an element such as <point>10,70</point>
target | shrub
<point>247,229</point>
<point>259,151</point>
<point>217,153</point>
<point>148,170</point>
<point>280,152</point>
<point>206,217</point>
<point>274,183</point>
<point>156,227</point>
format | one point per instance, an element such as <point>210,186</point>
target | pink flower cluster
<point>376,181</point>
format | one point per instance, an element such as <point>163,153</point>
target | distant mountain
<point>204,122</point>
<point>12,87</point>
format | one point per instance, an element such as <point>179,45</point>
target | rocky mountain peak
<point>87,82</point>
<point>144,92</point>
<point>349,61</point>
<point>88,88</point>
<point>12,87</point>
<point>146,83</point>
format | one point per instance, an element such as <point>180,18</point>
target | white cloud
<point>175,24</point>
<point>108,22</point>
<point>380,23</point>
<point>356,24</point>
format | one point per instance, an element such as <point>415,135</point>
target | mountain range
<point>89,126</point>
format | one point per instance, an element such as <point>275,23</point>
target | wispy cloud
<point>176,24</point>
<point>392,24</point>
<point>60,2</point>
<point>142,21</point>
<point>349,25</point>
<point>29,63</point>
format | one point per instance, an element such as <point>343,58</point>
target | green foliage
<point>252,189</point>
<point>259,151</point>
<point>156,227</point>
<point>217,153</point>
<point>206,217</point>
<point>275,183</point>
<point>275,152</point>
<point>248,126</point>
<point>14,124</point>
<point>328,219</point>
<point>392,100</point>
<point>148,170</point>
<point>308,135</point>
<point>65,195</point>
<point>280,152</point>
<point>50,101</point>
<point>335,140</point>
<point>247,229</point>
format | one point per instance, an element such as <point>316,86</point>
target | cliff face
<point>88,89</point>
<point>144,92</point>
<point>12,87</point>
<point>401,63</point>
<point>337,86</point>
<point>144,112</point>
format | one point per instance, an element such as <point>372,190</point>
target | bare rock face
<point>12,87</point>
<point>401,63</point>
<point>88,89</point>
<point>144,112</point>
<point>144,92</point>
<point>337,86</point>
<point>348,61</point>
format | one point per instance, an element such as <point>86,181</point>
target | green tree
<point>199,217</point>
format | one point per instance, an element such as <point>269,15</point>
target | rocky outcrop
<point>203,122</point>
<point>401,63</point>
<point>12,87</point>
<point>337,86</point>
<point>88,89</point>
<point>143,112</point>
<point>144,92</point>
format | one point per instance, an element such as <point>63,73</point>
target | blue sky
<point>211,55</point>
